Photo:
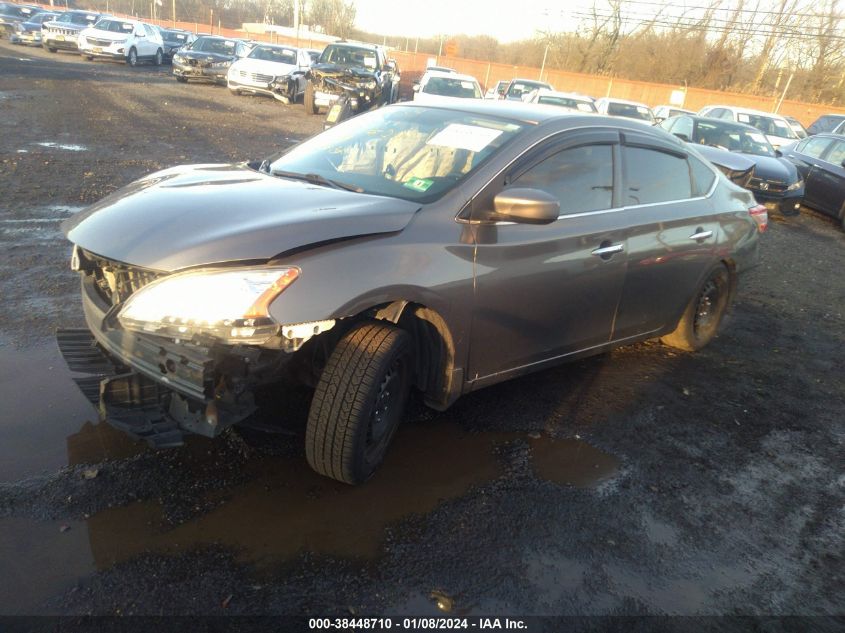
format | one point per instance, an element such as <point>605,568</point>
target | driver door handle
<point>700,235</point>
<point>606,251</point>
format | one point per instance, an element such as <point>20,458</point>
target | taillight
<point>759,214</point>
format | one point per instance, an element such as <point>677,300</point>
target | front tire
<point>701,319</point>
<point>359,402</point>
<point>181,80</point>
<point>52,50</point>
<point>132,57</point>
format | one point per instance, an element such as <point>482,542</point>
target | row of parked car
<point>782,163</point>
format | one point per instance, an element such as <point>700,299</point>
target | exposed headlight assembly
<point>795,185</point>
<point>231,305</point>
<point>221,64</point>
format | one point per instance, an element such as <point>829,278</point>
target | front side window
<point>416,154</point>
<point>683,125</point>
<point>653,176</point>
<point>814,147</point>
<point>580,177</point>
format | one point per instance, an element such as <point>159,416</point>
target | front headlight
<point>178,58</point>
<point>231,305</point>
<point>795,185</point>
<point>370,85</point>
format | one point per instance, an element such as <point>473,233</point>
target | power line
<point>735,10</point>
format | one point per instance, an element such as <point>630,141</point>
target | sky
<point>506,20</point>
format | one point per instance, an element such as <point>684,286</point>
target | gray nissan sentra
<point>441,248</point>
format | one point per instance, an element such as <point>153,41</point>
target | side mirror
<point>526,206</point>
<point>681,136</point>
<point>778,153</point>
<point>843,162</point>
<point>416,86</point>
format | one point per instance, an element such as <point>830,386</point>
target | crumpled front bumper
<point>26,37</point>
<point>154,388</point>
<point>208,73</point>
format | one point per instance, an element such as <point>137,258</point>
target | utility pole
<point>296,19</point>
<point>543,65</point>
<point>174,12</point>
<point>783,94</point>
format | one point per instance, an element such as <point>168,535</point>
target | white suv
<point>775,127</point>
<point>117,38</point>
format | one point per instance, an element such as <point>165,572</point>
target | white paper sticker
<point>468,85</point>
<point>757,138</point>
<point>742,118</point>
<point>585,107</point>
<point>471,137</point>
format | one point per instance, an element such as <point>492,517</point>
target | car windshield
<point>629,110</point>
<point>21,12</point>
<point>349,56</point>
<point>567,102</point>
<point>732,137</point>
<point>413,153</point>
<point>174,36</point>
<point>78,18</point>
<point>214,45</point>
<point>519,88</point>
<point>115,26</point>
<point>274,54</point>
<point>767,125</point>
<point>452,87</point>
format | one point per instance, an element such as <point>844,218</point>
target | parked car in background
<point>825,123</point>
<point>440,69</point>
<point>497,91</point>
<point>436,84</point>
<point>271,69</point>
<point>516,88</point>
<point>566,100</point>
<point>839,129</point>
<point>821,161</point>
<point>775,182</point>
<point>737,168</point>
<point>623,108</point>
<point>12,14</point>
<point>775,127</point>
<point>313,54</point>
<point>360,72</point>
<point>173,40</point>
<point>663,112</point>
<point>63,32</point>
<point>29,32</point>
<point>388,254</point>
<point>121,39</point>
<point>796,126</point>
<point>208,58</point>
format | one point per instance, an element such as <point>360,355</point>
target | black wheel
<point>308,99</point>
<point>359,402</point>
<point>702,317</point>
<point>181,80</point>
<point>132,57</point>
<point>159,58</point>
<point>89,58</point>
<point>53,50</point>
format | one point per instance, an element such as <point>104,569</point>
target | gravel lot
<point>644,481</point>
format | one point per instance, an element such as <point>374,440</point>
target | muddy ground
<point>644,481</point>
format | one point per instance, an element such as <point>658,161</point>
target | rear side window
<point>653,176</point>
<point>836,154</point>
<point>580,177</point>
<point>702,176</point>
<point>814,147</point>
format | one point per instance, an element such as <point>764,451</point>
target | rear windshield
<point>274,54</point>
<point>567,102</point>
<point>519,88</point>
<point>174,36</point>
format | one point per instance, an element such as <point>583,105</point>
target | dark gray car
<point>437,248</point>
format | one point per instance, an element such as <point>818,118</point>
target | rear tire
<point>53,50</point>
<point>181,80</point>
<point>308,99</point>
<point>701,319</point>
<point>359,402</point>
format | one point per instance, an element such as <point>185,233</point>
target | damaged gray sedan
<point>438,249</point>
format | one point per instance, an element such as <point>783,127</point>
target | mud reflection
<point>571,462</point>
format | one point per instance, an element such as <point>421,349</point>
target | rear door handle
<point>701,235</point>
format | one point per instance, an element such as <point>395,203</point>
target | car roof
<point>836,137</point>
<point>625,101</point>
<point>545,92</point>
<point>361,45</point>
<point>449,75</point>
<point>742,110</point>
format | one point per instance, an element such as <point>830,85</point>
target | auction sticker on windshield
<point>471,137</point>
<point>418,184</point>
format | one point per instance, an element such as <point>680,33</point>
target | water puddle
<point>41,407</point>
<point>571,462</point>
<point>65,146</point>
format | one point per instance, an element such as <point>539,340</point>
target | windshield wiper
<point>317,179</point>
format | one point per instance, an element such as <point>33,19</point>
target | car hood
<point>111,36</point>
<point>263,67</point>
<point>205,56</point>
<point>205,214</point>
<point>774,169</point>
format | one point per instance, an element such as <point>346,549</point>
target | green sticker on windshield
<point>418,184</point>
